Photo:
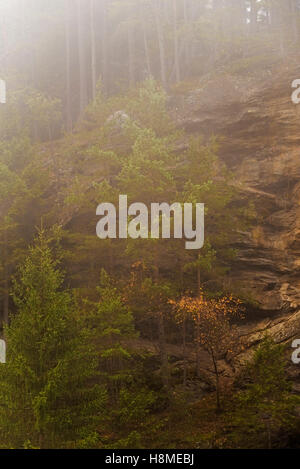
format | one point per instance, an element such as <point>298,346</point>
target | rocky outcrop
<point>283,329</point>
<point>260,133</point>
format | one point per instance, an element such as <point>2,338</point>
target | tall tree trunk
<point>218,402</point>
<point>278,18</point>
<point>161,334</point>
<point>145,39</point>
<point>6,299</point>
<point>83,96</point>
<point>6,281</point>
<point>104,42</point>
<point>93,48</point>
<point>23,30</point>
<point>130,37</point>
<point>253,15</point>
<point>163,350</point>
<point>187,25</point>
<point>272,12</point>
<point>31,50</point>
<point>216,27</point>
<point>198,349</point>
<point>184,352</point>
<point>69,123</point>
<point>33,59</point>
<point>199,278</point>
<point>161,43</point>
<point>175,34</point>
<point>241,13</point>
<point>294,18</point>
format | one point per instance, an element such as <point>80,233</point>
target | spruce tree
<point>114,329</point>
<point>48,389</point>
<point>266,409</point>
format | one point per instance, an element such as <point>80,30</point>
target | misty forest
<point>141,343</point>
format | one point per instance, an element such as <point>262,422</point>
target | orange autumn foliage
<point>213,318</point>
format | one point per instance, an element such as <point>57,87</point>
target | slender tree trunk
<point>215,45</point>
<point>104,72</point>
<point>161,335</point>
<point>93,48</point>
<point>253,15</point>
<point>23,30</point>
<point>198,349</point>
<point>184,352</point>
<point>6,298</point>
<point>3,40</point>
<point>294,19</point>
<point>161,43</point>
<point>218,402</point>
<point>130,37</point>
<point>6,281</point>
<point>270,12</point>
<point>187,54</point>
<point>163,350</point>
<point>32,53</point>
<point>69,123</point>
<point>199,279</point>
<point>145,39</point>
<point>175,34</point>
<point>279,18</point>
<point>83,97</point>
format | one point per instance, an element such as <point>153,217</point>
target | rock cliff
<point>260,131</point>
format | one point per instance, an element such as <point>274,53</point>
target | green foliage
<point>48,391</point>
<point>113,324</point>
<point>74,377</point>
<point>266,407</point>
<point>32,114</point>
<point>148,108</point>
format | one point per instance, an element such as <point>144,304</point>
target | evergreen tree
<point>266,405</point>
<point>114,326</point>
<point>48,389</point>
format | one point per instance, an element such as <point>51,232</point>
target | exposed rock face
<point>260,129</point>
<point>283,329</point>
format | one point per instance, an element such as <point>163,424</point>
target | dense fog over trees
<point>176,118</point>
<point>64,47</point>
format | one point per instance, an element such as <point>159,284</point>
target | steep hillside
<point>259,125</point>
<point>252,115</point>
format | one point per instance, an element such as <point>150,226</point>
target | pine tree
<point>266,405</point>
<point>48,389</point>
<point>114,326</point>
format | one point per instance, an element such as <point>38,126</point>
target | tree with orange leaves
<point>214,328</point>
